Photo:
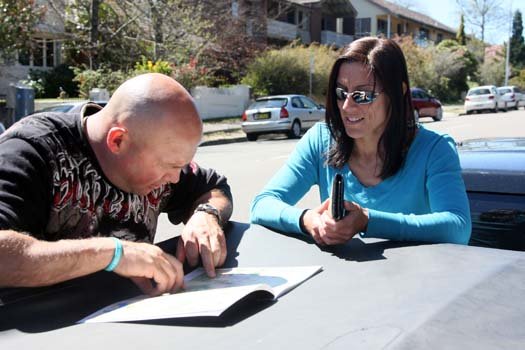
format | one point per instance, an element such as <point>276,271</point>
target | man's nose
<point>172,177</point>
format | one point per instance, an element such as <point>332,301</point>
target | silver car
<point>484,98</point>
<point>513,96</point>
<point>288,114</point>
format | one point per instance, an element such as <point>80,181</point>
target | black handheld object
<point>338,195</point>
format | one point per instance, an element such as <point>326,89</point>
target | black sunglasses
<point>360,97</point>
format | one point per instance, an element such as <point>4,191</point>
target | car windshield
<point>504,91</point>
<point>269,103</point>
<point>479,92</point>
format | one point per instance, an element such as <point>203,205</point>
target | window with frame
<point>308,103</point>
<point>423,33</point>
<point>42,53</point>
<point>362,26</point>
<point>381,26</point>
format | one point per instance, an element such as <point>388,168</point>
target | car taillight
<point>467,99</point>
<point>244,118</point>
<point>284,113</point>
<point>512,96</point>
<point>491,97</point>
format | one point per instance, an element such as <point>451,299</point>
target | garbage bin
<point>21,99</point>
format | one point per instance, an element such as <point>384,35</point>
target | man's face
<point>157,161</point>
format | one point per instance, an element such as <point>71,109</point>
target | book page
<point>204,296</point>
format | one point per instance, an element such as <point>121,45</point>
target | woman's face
<point>361,121</point>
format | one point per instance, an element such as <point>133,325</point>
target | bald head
<point>149,101</point>
<point>147,132</point>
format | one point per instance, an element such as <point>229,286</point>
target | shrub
<point>51,83</point>
<point>100,78</point>
<point>147,66</point>
<point>287,71</point>
<point>190,74</point>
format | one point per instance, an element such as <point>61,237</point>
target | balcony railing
<point>281,30</point>
<point>337,39</point>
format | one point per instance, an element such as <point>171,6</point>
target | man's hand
<point>202,236</point>
<point>143,262</point>
<point>325,230</point>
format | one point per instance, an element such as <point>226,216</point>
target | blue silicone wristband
<point>116,255</point>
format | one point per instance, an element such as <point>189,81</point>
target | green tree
<point>460,35</point>
<point>517,45</point>
<point>17,22</point>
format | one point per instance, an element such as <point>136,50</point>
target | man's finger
<point>192,252</point>
<point>144,285</point>
<point>216,249</point>
<point>207,259</point>
<point>178,282</point>
<point>181,252</point>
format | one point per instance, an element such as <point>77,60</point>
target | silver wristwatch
<point>210,209</point>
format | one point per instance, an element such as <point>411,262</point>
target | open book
<point>205,296</point>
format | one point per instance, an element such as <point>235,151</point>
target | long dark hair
<point>387,63</point>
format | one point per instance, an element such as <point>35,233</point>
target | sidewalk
<point>221,133</point>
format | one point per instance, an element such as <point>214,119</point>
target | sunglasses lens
<point>340,94</point>
<point>363,97</point>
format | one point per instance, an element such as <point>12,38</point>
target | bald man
<point>82,193</point>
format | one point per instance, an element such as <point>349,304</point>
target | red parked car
<point>426,105</point>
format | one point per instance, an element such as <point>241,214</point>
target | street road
<point>249,165</point>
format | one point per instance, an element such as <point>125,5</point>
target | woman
<point>402,182</point>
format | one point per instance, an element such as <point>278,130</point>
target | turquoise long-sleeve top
<point>424,201</point>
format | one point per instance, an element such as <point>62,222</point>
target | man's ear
<point>117,139</point>
<point>404,86</point>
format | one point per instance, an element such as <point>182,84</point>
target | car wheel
<point>295,131</point>
<point>439,114</point>
<point>416,116</point>
<point>251,137</point>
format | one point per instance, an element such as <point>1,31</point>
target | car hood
<point>493,165</point>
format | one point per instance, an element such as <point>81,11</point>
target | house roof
<point>412,15</point>
<point>337,7</point>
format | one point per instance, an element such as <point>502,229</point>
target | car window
<point>504,90</point>
<point>296,102</point>
<point>308,103</point>
<point>478,92</point>
<point>58,108</point>
<point>498,220</point>
<point>269,103</point>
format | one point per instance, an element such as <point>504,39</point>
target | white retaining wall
<point>221,102</point>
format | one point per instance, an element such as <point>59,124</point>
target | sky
<point>447,12</point>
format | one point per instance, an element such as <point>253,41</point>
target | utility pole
<point>312,70</point>
<point>507,56</point>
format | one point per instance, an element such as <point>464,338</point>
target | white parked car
<point>514,97</point>
<point>288,114</point>
<point>484,98</point>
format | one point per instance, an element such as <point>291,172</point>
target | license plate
<point>259,116</point>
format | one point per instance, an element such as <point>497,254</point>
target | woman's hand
<point>325,230</point>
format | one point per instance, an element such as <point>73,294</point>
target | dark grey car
<point>494,175</point>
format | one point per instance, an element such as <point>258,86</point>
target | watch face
<point>208,208</point>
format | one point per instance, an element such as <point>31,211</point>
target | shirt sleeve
<point>194,182</point>
<point>24,188</point>
<point>449,218</point>
<point>274,206</point>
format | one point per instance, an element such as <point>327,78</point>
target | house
<point>380,17</point>
<point>45,53</point>
<point>330,22</point>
